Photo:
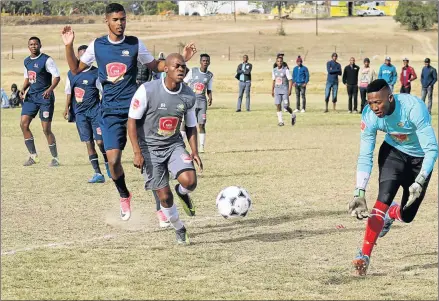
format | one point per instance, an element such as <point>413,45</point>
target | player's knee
<point>189,181</point>
<point>100,144</point>
<point>165,196</point>
<point>24,125</point>
<point>47,131</point>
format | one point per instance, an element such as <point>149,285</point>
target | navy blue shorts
<point>114,128</point>
<point>88,124</point>
<point>32,106</point>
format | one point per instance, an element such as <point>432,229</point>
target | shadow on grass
<point>420,266</point>
<point>267,150</point>
<point>236,224</point>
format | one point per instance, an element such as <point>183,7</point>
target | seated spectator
<point>14,99</point>
<point>5,100</point>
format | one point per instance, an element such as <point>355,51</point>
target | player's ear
<point>165,69</point>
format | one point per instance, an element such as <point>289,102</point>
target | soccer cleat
<point>54,162</point>
<point>280,124</point>
<point>303,111</point>
<point>293,119</point>
<point>387,221</point>
<point>97,178</point>
<point>163,221</point>
<point>239,110</point>
<point>186,201</point>
<point>326,111</point>
<point>125,208</point>
<point>31,161</point>
<point>361,263</point>
<point>296,110</point>
<point>201,149</point>
<point>182,237</point>
<point>107,167</point>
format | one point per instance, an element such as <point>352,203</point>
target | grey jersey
<point>199,83</point>
<point>159,128</point>
<point>280,80</point>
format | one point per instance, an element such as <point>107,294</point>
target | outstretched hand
<point>358,207</point>
<point>68,35</point>
<point>188,51</point>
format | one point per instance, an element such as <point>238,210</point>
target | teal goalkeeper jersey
<point>408,129</point>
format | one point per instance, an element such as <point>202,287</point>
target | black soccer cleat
<point>186,201</point>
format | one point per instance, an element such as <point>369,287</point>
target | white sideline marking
<point>98,238</point>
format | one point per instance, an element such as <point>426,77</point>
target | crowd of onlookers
<point>13,100</point>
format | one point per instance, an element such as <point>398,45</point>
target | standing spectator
<point>334,70</point>
<point>143,74</point>
<point>366,76</point>
<point>408,75</point>
<point>14,99</point>
<point>388,73</point>
<point>300,80</point>
<point>5,100</point>
<point>428,79</point>
<point>244,75</point>
<point>350,79</point>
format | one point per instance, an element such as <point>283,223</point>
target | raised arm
<point>75,66</point>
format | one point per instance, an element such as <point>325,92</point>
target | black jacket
<point>350,75</point>
<point>143,74</point>
<point>247,72</point>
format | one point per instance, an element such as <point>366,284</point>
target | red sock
<point>395,212</point>
<point>374,226</point>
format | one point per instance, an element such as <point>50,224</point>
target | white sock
<point>279,116</point>
<point>202,139</point>
<point>183,190</point>
<point>172,216</point>
<point>183,134</point>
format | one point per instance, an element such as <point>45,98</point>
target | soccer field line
<point>94,239</point>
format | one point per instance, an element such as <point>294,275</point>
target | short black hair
<point>36,39</point>
<point>377,85</point>
<point>114,8</point>
<point>82,47</point>
<point>14,86</point>
<point>204,55</point>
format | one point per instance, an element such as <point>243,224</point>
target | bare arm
<point>132,133</point>
<point>68,104</point>
<point>75,66</point>
<point>209,97</point>
<point>26,85</point>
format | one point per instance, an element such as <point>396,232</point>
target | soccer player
<point>281,90</point>
<point>116,56</point>
<point>200,80</point>
<point>41,76</point>
<point>406,158</point>
<point>82,92</point>
<point>155,115</point>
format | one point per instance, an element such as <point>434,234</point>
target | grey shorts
<point>281,98</point>
<point>158,164</point>
<point>200,111</point>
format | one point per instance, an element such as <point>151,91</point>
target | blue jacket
<point>428,76</point>
<point>334,70</point>
<point>388,73</point>
<point>300,75</point>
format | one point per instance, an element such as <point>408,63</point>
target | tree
<point>148,7</point>
<point>165,6</point>
<point>416,15</point>
<point>210,7</point>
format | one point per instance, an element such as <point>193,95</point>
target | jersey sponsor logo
<point>167,126</point>
<point>125,53</point>
<point>135,104</point>
<point>363,125</point>
<point>32,75</point>
<point>46,114</point>
<point>186,158</point>
<point>401,124</point>
<point>198,88</point>
<point>79,94</point>
<point>115,71</point>
<point>98,131</point>
<point>400,137</point>
<point>278,81</point>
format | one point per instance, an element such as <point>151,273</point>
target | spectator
<point>388,73</point>
<point>408,75</point>
<point>350,79</point>
<point>334,70</point>
<point>5,100</point>
<point>158,75</point>
<point>143,74</point>
<point>300,80</point>
<point>428,79</point>
<point>366,76</point>
<point>14,99</point>
<point>243,74</point>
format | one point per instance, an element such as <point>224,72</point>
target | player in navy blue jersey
<point>83,101</point>
<point>41,76</point>
<point>116,56</point>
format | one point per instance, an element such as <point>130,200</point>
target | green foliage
<point>163,6</point>
<point>417,15</point>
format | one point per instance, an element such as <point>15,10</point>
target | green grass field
<point>62,238</point>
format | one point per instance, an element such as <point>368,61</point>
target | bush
<point>416,15</point>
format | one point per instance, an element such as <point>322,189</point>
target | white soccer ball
<point>233,201</point>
